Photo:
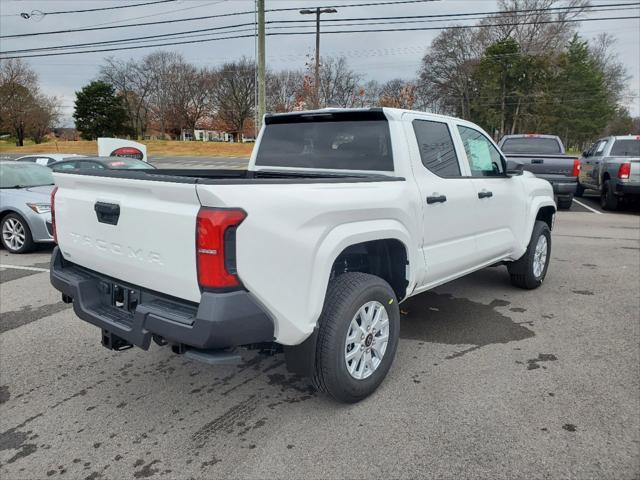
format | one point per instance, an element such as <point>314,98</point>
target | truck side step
<point>214,357</point>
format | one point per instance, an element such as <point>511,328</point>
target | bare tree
<point>531,28</point>
<point>135,85</point>
<point>163,69</point>
<point>18,86</point>
<point>398,93</point>
<point>369,94</point>
<point>339,85</point>
<point>43,115</point>
<point>191,90</point>
<point>446,74</point>
<point>284,89</point>
<point>615,73</point>
<point>233,96</point>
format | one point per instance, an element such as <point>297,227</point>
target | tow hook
<point>67,298</point>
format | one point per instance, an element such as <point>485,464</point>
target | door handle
<point>485,194</point>
<point>537,161</point>
<point>436,199</point>
<point>107,212</point>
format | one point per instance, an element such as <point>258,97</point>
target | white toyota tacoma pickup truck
<point>341,215</point>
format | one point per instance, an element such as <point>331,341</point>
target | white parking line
<point>587,207</point>
<point>20,267</point>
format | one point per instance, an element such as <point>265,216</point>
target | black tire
<point>608,199</point>
<point>28,243</point>
<point>345,296</point>
<point>564,203</point>
<point>522,271</point>
<point>579,190</point>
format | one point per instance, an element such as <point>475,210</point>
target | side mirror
<point>585,154</point>
<point>514,168</point>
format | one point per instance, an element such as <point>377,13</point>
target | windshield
<point>24,174</point>
<point>531,145</point>
<point>626,148</point>
<point>333,144</point>
<point>124,163</point>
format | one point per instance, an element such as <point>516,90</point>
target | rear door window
<point>437,151</point>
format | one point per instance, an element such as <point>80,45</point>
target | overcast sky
<point>381,56</point>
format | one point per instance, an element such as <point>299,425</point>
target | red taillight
<point>576,168</point>
<point>624,171</point>
<point>53,214</point>
<point>215,246</point>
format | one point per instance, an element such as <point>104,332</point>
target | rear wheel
<point>357,336</point>
<point>564,203</point>
<point>608,199</point>
<point>529,270</point>
<point>16,236</point>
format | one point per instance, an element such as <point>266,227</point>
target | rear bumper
<point>625,188</point>
<point>565,186</point>
<point>220,320</point>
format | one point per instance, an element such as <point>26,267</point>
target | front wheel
<point>357,337</point>
<point>529,270</point>
<point>16,236</point>
<point>579,190</point>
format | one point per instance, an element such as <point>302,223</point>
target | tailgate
<point>545,164</point>
<point>146,232</point>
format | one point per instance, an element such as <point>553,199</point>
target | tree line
<point>518,73</point>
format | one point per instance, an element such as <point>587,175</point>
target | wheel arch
<point>543,209</point>
<point>387,234</point>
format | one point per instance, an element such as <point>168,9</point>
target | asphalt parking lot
<point>489,382</point>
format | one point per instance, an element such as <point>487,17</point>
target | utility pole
<point>261,65</point>
<point>316,84</point>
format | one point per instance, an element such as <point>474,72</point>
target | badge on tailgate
<point>107,212</point>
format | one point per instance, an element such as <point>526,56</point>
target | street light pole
<point>316,84</point>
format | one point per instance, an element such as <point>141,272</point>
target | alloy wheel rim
<point>13,234</point>
<point>367,340</point>
<point>540,256</point>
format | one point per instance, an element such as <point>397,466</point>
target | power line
<point>159,14</point>
<point>207,17</point>
<point>327,32</point>
<point>387,21</point>
<point>115,7</point>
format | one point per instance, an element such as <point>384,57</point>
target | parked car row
<point>25,190</point>
<point>611,166</point>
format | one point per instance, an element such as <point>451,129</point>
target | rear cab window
<point>626,147</point>
<point>539,145</point>
<point>358,141</point>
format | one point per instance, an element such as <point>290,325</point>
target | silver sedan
<point>25,205</point>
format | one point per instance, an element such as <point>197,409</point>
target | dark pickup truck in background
<point>545,157</point>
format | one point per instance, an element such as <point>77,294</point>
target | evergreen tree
<point>582,106</point>
<point>99,112</point>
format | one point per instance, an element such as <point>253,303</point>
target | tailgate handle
<point>537,160</point>
<point>107,212</point>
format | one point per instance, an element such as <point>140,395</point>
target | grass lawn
<point>155,148</point>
